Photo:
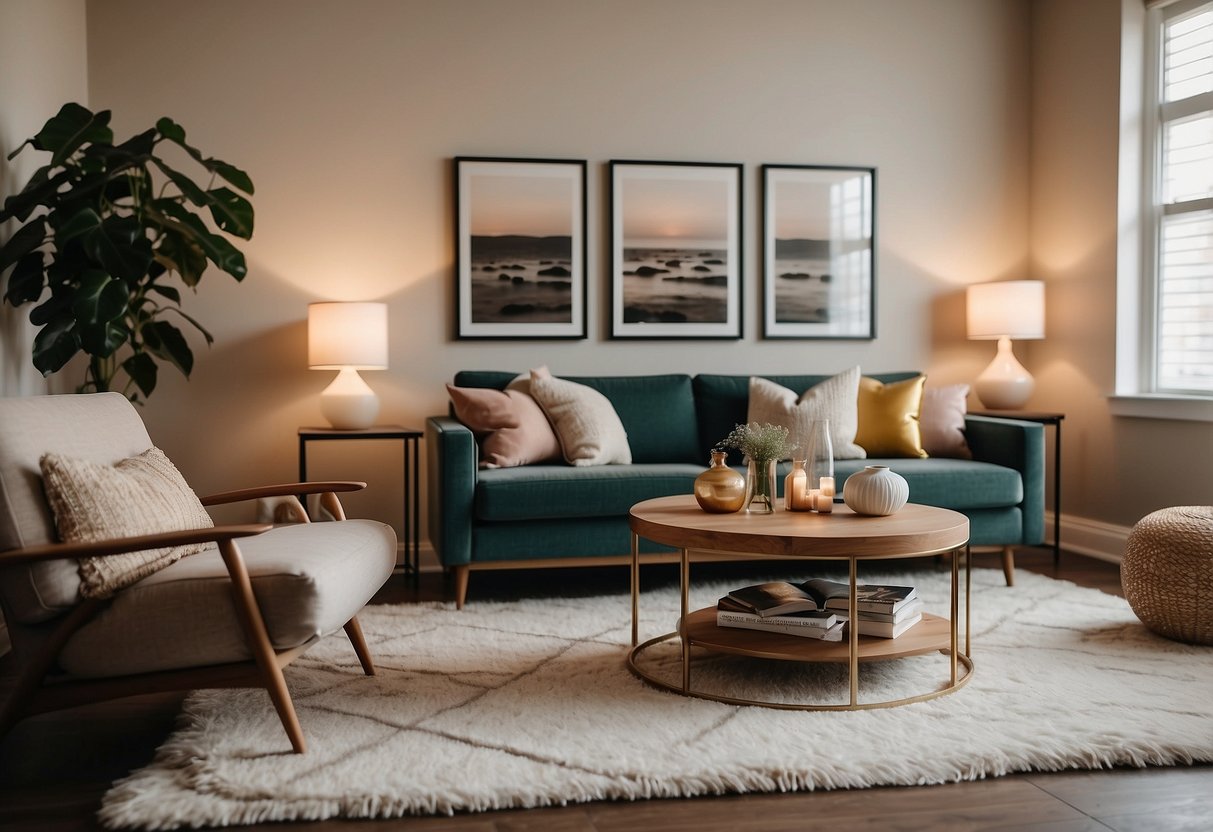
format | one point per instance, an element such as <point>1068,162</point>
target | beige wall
<point>347,114</point>
<point>43,64</point>
<point>1115,469</point>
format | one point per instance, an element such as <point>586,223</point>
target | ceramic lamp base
<point>1005,384</point>
<point>349,403</point>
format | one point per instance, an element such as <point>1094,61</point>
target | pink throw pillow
<point>942,421</point>
<point>511,427</point>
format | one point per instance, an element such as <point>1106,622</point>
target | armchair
<point>230,616</point>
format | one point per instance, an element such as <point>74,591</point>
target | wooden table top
<point>914,531</point>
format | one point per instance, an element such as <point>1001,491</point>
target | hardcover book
<point>882,629</point>
<point>781,597</point>
<point>779,624</point>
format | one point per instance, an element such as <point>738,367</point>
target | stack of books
<point>818,608</point>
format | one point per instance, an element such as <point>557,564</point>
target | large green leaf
<point>26,280</point>
<point>179,251</point>
<point>192,191</point>
<point>55,344</point>
<point>58,305</point>
<point>72,127</point>
<point>217,249</point>
<point>81,222</point>
<point>167,342</point>
<point>170,292</point>
<point>102,339</point>
<point>27,238</point>
<point>100,298</point>
<point>142,369</point>
<point>121,246</point>
<point>41,189</point>
<point>233,175</point>
<point>232,212</point>
<point>210,339</point>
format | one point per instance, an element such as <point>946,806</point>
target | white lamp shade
<point>347,335</point>
<point>1011,309</point>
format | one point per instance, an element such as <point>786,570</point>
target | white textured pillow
<point>144,494</point>
<point>585,421</point>
<point>836,399</point>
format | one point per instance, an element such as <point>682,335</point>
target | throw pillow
<point>509,424</point>
<point>943,421</point>
<point>144,494</point>
<point>888,417</point>
<point>835,399</point>
<point>586,423</point>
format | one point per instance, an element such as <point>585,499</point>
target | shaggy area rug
<point>529,703</point>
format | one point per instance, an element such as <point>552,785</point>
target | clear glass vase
<point>819,467</point>
<point>760,486</point>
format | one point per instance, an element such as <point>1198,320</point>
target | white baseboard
<point>1095,538</point>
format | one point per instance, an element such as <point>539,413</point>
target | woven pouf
<point>1167,572</point>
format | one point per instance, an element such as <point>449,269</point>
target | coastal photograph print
<point>520,259</point>
<point>675,250</point>
<point>818,251</point>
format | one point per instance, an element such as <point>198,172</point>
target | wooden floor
<point>55,768</point>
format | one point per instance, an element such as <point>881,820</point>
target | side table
<point>1044,418</point>
<point>410,438</point>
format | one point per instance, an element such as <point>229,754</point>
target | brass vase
<point>720,489</point>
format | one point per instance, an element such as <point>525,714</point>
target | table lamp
<point>1002,311</point>
<point>347,337</point>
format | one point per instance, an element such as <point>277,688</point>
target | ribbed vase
<point>876,490</point>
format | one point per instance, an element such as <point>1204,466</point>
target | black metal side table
<point>1045,418</point>
<point>410,438</point>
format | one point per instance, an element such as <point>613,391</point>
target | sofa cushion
<point>143,494</point>
<point>889,417</point>
<point>948,483</point>
<point>309,579</point>
<point>551,491</point>
<point>721,401</point>
<point>943,421</point>
<point>833,400</point>
<point>510,426</point>
<point>585,421</point>
<point>657,411</point>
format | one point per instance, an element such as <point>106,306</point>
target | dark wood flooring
<point>55,768</point>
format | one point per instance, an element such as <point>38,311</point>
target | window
<point>1178,275</point>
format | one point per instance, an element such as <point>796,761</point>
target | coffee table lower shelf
<point>932,634</point>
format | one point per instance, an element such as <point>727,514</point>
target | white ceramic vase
<point>876,490</point>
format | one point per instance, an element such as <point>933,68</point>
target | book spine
<point>832,634</point>
<point>775,620</point>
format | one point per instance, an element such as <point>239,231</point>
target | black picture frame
<point>676,268</point>
<point>520,248</point>
<point>819,252</point>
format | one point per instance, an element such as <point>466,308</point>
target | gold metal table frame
<point>915,531</point>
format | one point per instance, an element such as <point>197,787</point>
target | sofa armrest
<point>1016,444</point>
<point>451,464</point>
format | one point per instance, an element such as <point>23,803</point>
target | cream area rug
<point>529,703</point>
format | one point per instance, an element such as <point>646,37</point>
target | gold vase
<point>720,489</point>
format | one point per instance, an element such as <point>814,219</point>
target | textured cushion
<point>835,399</point>
<point>101,427</point>
<point>140,495</point>
<point>510,425</point>
<point>943,421</point>
<point>586,423</point>
<point>888,417</point>
<point>309,579</point>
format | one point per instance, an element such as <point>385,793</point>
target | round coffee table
<point>914,531</point>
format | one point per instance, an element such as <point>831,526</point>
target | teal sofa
<point>561,515</point>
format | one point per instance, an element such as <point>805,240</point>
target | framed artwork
<point>520,248</point>
<point>675,250</point>
<point>818,251</point>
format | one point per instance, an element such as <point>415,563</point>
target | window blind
<point>1183,300</point>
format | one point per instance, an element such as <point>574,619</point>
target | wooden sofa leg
<point>1008,564</point>
<point>354,630</point>
<point>461,584</point>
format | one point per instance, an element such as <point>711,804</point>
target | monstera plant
<point>105,230</point>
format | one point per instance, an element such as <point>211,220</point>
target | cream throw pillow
<point>835,399</point>
<point>144,494</point>
<point>943,421</point>
<point>585,421</point>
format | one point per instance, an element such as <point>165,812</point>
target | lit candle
<point>811,496</point>
<point>825,503</point>
<point>827,487</point>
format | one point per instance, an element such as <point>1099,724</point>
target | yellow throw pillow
<point>888,417</point>
<point>144,494</point>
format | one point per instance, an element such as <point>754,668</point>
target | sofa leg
<point>1008,564</point>
<point>461,584</point>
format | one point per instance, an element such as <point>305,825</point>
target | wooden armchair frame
<point>36,647</point>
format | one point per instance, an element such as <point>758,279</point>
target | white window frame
<point>1140,221</point>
